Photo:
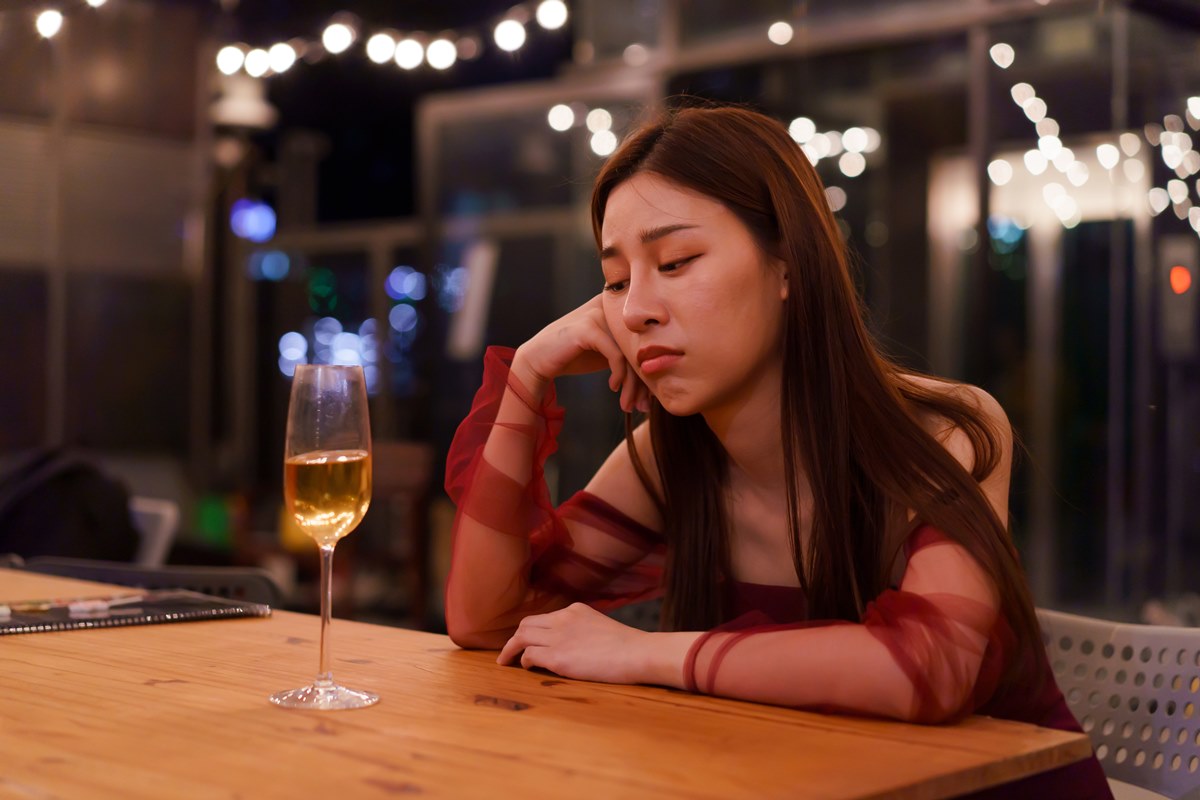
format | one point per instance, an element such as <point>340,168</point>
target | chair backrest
<point>156,520</point>
<point>238,583</point>
<point>1135,689</point>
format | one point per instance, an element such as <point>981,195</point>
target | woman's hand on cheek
<point>635,396</point>
<point>578,642</point>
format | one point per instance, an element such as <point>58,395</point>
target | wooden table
<point>181,711</point>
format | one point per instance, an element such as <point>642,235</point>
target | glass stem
<point>325,676</point>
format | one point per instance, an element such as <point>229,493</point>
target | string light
<point>1002,54</point>
<point>509,35</point>
<point>385,45</point>
<point>561,117</point>
<point>802,129</point>
<point>381,47</point>
<point>337,38</point>
<point>1000,172</point>
<point>230,59</point>
<point>780,33</point>
<point>599,119</point>
<point>258,61</point>
<point>49,23</point>
<point>441,54</point>
<point>603,142</point>
<point>552,14</point>
<point>409,53</point>
<point>282,57</point>
<point>96,3</point>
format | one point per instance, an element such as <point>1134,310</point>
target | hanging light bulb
<point>509,35</point>
<point>282,56</point>
<point>552,14</point>
<point>49,23</point>
<point>381,47</point>
<point>409,53</point>
<point>230,59</point>
<point>258,61</point>
<point>337,37</point>
<point>441,54</point>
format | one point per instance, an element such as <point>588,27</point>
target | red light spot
<point>1181,279</point>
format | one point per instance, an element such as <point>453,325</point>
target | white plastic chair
<point>156,520</point>
<point>1135,689</point>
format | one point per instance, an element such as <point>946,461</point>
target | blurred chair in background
<point>56,503</point>
<point>157,520</point>
<point>1135,689</point>
<point>238,583</point>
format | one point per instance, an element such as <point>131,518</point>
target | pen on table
<point>103,603</point>
<point>77,604</point>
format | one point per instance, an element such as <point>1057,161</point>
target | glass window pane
<point>23,334</point>
<point>128,351</point>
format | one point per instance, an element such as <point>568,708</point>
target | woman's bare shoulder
<point>953,438</point>
<point>980,399</point>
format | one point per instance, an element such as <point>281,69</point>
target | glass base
<point>324,696</point>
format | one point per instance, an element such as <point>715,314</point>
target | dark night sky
<point>368,110</point>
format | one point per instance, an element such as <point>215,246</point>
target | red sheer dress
<point>930,650</point>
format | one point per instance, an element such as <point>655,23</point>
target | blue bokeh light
<point>253,220</point>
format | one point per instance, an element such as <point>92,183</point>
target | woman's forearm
<point>489,578</point>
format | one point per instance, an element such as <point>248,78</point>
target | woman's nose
<point>643,306</point>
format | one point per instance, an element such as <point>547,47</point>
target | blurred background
<point>195,197</point>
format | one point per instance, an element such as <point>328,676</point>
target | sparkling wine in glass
<point>327,488</point>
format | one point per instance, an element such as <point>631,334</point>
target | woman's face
<point>692,301</point>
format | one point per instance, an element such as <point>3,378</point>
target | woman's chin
<point>677,404</point>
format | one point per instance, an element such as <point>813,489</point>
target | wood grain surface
<point>181,711</point>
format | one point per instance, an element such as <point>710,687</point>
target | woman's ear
<point>782,272</point>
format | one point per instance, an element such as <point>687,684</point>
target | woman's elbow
<point>943,707</point>
<point>473,637</point>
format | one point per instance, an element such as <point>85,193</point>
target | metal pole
<point>1118,332</point>
<point>56,273</point>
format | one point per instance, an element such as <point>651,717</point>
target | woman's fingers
<point>532,657</point>
<point>643,398</point>
<point>512,648</point>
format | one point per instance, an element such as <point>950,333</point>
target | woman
<point>827,530</point>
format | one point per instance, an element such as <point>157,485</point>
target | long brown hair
<point>851,419</point>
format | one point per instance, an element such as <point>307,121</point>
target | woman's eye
<point>674,265</point>
<point>614,286</point>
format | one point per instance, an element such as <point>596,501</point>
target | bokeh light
<point>1000,172</point>
<point>802,129</point>
<point>561,117</point>
<point>258,61</point>
<point>441,54</point>
<point>603,143</point>
<point>1181,279</point>
<point>509,35</point>
<point>282,57</point>
<point>230,59</point>
<point>599,119</point>
<point>409,53</point>
<point>551,14</point>
<point>337,38</point>
<point>780,33</point>
<point>49,23</point>
<point>253,220</point>
<point>381,48</point>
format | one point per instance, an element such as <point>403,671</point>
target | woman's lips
<point>660,363</point>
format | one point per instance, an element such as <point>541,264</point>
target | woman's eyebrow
<point>646,237</point>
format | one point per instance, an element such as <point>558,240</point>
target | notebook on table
<point>120,609</point>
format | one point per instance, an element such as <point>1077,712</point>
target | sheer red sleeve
<point>584,550</point>
<point>931,651</point>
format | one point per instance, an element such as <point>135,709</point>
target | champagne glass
<point>327,488</point>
